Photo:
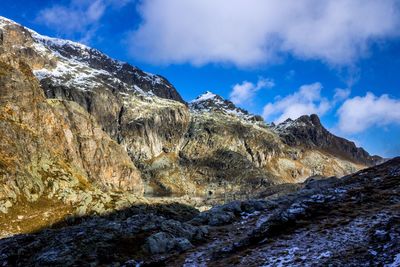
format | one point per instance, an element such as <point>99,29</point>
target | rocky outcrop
<point>307,131</point>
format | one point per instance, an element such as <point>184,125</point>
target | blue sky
<point>337,58</point>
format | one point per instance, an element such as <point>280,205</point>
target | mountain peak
<point>208,101</point>
<point>207,96</point>
<point>302,121</point>
<point>307,131</point>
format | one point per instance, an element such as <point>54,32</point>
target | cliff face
<point>54,150</point>
<point>207,148</point>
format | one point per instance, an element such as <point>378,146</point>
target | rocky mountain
<point>307,131</point>
<point>84,133</point>
<point>351,221</point>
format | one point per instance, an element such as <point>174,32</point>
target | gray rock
<point>159,243</point>
<point>162,242</point>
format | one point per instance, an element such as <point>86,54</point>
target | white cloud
<point>360,113</point>
<point>78,17</point>
<point>307,100</point>
<point>341,94</point>
<point>245,92</point>
<point>251,32</point>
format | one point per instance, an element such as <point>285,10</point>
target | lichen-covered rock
<point>54,148</point>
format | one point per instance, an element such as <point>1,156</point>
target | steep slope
<point>121,98</point>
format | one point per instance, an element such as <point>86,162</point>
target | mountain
<point>84,133</point>
<point>352,221</point>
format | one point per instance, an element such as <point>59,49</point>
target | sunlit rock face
<point>54,151</point>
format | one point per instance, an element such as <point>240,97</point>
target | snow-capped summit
<point>205,96</point>
<point>208,102</point>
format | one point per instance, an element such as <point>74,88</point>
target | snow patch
<point>396,262</point>
<point>206,96</point>
<point>209,101</point>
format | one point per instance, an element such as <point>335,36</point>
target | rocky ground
<point>352,221</point>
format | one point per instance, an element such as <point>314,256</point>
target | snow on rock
<point>209,101</point>
<point>206,96</point>
<point>289,123</point>
<point>78,66</point>
<point>5,21</point>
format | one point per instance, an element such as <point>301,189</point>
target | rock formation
<point>307,131</point>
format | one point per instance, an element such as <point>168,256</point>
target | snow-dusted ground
<point>349,224</point>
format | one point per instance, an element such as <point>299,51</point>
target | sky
<point>281,59</point>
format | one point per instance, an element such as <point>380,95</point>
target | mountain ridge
<point>208,148</point>
<point>307,130</point>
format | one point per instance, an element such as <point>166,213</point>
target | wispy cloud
<point>78,17</point>
<point>245,92</point>
<point>252,32</point>
<point>341,94</point>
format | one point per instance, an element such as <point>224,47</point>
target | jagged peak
<point>206,96</point>
<point>302,121</point>
<point>209,101</point>
<point>308,131</point>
